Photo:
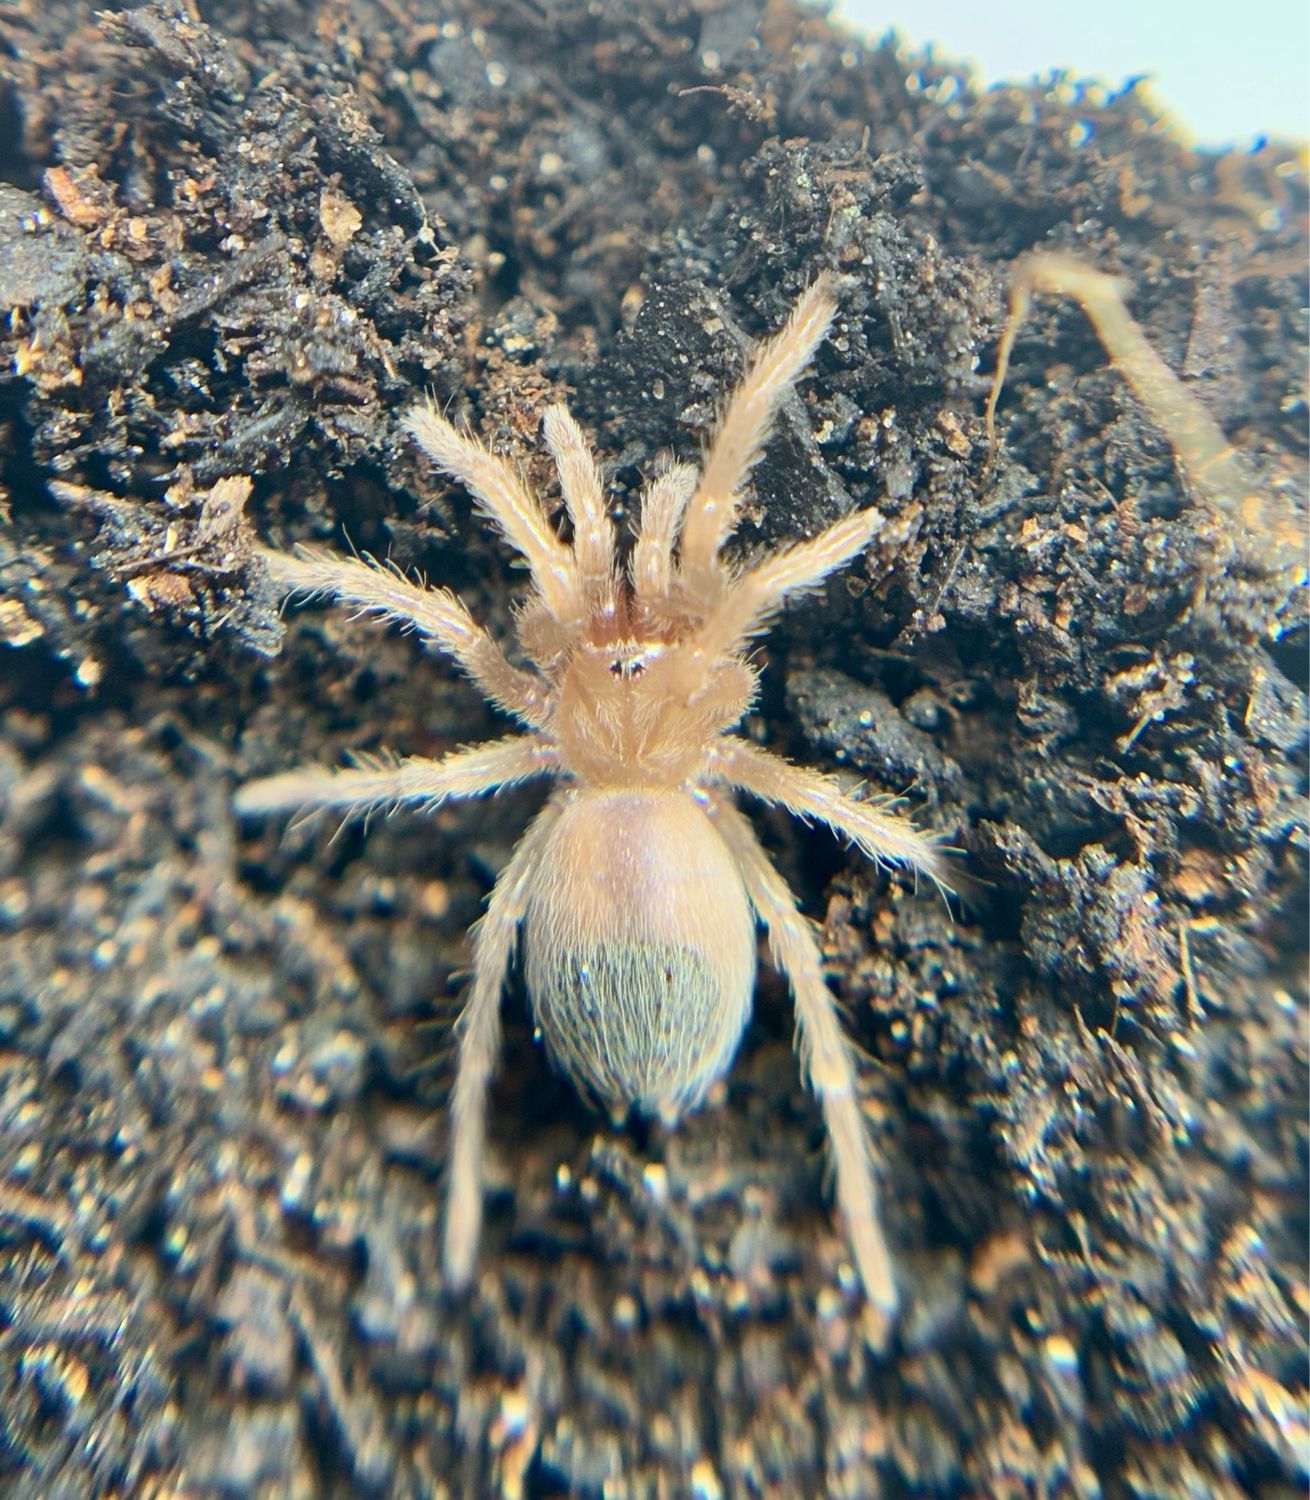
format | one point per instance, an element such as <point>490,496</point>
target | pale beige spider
<point>639,883</point>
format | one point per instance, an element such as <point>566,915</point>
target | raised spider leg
<point>437,615</point>
<point>464,773</point>
<point>478,1032</point>
<point>880,835</point>
<point>584,496</point>
<point>506,498</point>
<point>826,1056</point>
<point>742,432</point>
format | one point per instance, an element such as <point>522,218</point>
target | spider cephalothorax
<point>639,884</point>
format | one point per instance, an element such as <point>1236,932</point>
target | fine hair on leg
<point>742,431</point>
<point>885,837</point>
<point>436,615</point>
<point>584,498</point>
<point>505,497</point>
<point>413,781</point>
<point>663,505</point>
<point>827,1058</point>
<point>751,598</point>
<point>478,1044</point>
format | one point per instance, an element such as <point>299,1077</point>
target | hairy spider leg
<point>827,1059</point>
<point>511,505</point>
<point>478,1040</point>
<point>754,596</point>
<point>745,606</point>
<point>376,588</point>
<point>584,498</point>
<point>742,432</point>
<point>472,772</point>
<point>663,505</point>
<point>884,837</point>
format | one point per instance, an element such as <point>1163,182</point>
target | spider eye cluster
<point>628,667</point>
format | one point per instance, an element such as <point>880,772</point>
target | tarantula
<point>639,884</point>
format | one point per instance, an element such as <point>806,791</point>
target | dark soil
<point>237,240</point>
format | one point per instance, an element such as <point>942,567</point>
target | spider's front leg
<point>437,616</point>
<point>827,1059</point>
<point>478,1034</point>
<point>740,436</point>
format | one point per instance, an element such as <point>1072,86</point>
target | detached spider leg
<point>827,1060</point>
<point>1254,523</point>
<point>478,1036</point>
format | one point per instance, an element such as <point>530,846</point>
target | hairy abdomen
<point>640,949</point>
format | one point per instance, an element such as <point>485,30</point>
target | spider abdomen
<point>639,948</point>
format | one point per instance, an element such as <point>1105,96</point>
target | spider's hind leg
<point>827,1058</point>
<point>478,1036</point>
